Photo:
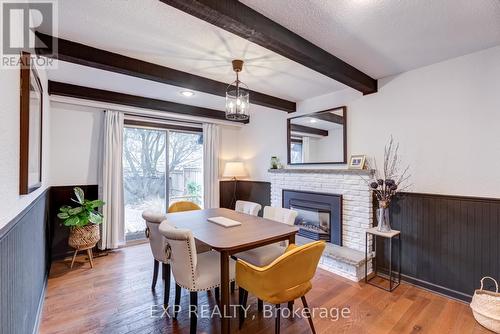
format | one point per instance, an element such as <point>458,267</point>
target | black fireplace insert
<point>319,214</point>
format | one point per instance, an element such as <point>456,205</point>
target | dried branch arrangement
<point>395,177</point>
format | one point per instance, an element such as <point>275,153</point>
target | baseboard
<point>441,290</point>
<point>437,289</point>
<point>36,327</point>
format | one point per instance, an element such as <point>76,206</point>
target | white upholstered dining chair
<point>193,272</point>
<point>158,246</point>
<point>282,215</point>
<point>247,207</point>
<point>263,256</point>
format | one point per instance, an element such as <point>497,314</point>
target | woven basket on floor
<point>486,307</point>
<point>84,237</point>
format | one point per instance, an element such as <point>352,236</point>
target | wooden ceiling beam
<point>308,130</point>
<point>81,54</point>
<point>106,96</point>
<point>241,20</point>
<point>329,117</point>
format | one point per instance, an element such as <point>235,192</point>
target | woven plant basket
<point>84,237</point>
<point>486,307</point>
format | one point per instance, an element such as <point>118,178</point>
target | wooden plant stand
<point>89,253</point>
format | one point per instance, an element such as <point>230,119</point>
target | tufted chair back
<point>250,208</point>
<point>285,216</point>
<point>183,257</point>
<point>156,241</point>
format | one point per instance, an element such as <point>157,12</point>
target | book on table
<point>223,221</point>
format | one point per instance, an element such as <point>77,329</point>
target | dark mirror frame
<point>27,69</point>
<point>289,139</point>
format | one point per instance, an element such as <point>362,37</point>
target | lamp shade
<point>234,169</point>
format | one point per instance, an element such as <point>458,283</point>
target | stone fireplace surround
<point>346,260</point>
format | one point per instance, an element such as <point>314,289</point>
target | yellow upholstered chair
<point>183,206</point>
<point>287,278</point>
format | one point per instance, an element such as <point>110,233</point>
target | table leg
<point>291,239</point>
<point>224,301</point>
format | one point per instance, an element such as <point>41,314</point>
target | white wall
<point>11,203</point>
<point>329,148</point>
<point>446,117</point>
<point>76,132</point>
<point>262,138</point>
<point>229,139</point>
<point>447,120</point>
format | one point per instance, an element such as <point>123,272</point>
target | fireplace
<point>313,223</point>
<point>319,215</point>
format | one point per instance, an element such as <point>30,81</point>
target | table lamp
<point>234,170</point>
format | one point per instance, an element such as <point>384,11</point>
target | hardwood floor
<point>116,297</point>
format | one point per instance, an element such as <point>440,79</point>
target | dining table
<point>253,232</point>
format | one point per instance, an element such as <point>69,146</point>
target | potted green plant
<point>83,221</point>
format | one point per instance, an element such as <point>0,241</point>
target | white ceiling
<point>316,123</point>
<point>380,37</point>
<point>121,83</point>
<point>152,31</point>
<point>386,37</point>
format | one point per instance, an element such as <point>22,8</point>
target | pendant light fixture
<point>237,97</point>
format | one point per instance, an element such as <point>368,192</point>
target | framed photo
<point>357,162</point>
<point>30,168</point>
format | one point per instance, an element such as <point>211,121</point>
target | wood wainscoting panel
<point>253,191</point>
<point>24,267</point>
<point>448,242</point>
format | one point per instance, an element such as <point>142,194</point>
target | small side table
<point>393,283</point>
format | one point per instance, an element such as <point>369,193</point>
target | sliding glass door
<point>160,166</point>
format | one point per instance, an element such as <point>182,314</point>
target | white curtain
<point>306,151</point>
<point>211,143</point>
<point>111,182</point>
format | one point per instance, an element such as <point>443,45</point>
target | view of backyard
<point>147,176</point>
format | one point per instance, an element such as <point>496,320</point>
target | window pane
<point>144,176</point>
<point>185,155</point>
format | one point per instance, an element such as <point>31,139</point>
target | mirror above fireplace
<point>318,138</point>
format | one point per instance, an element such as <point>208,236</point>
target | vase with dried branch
<point>386,186</point>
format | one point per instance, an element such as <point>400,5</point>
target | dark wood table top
<point>253,230</point>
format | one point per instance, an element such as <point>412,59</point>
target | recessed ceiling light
<point>187,93</point>
<point>313,120</point>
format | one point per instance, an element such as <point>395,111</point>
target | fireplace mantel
<point>322,171</point>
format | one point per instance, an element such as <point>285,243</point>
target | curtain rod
<point>162,120</point>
